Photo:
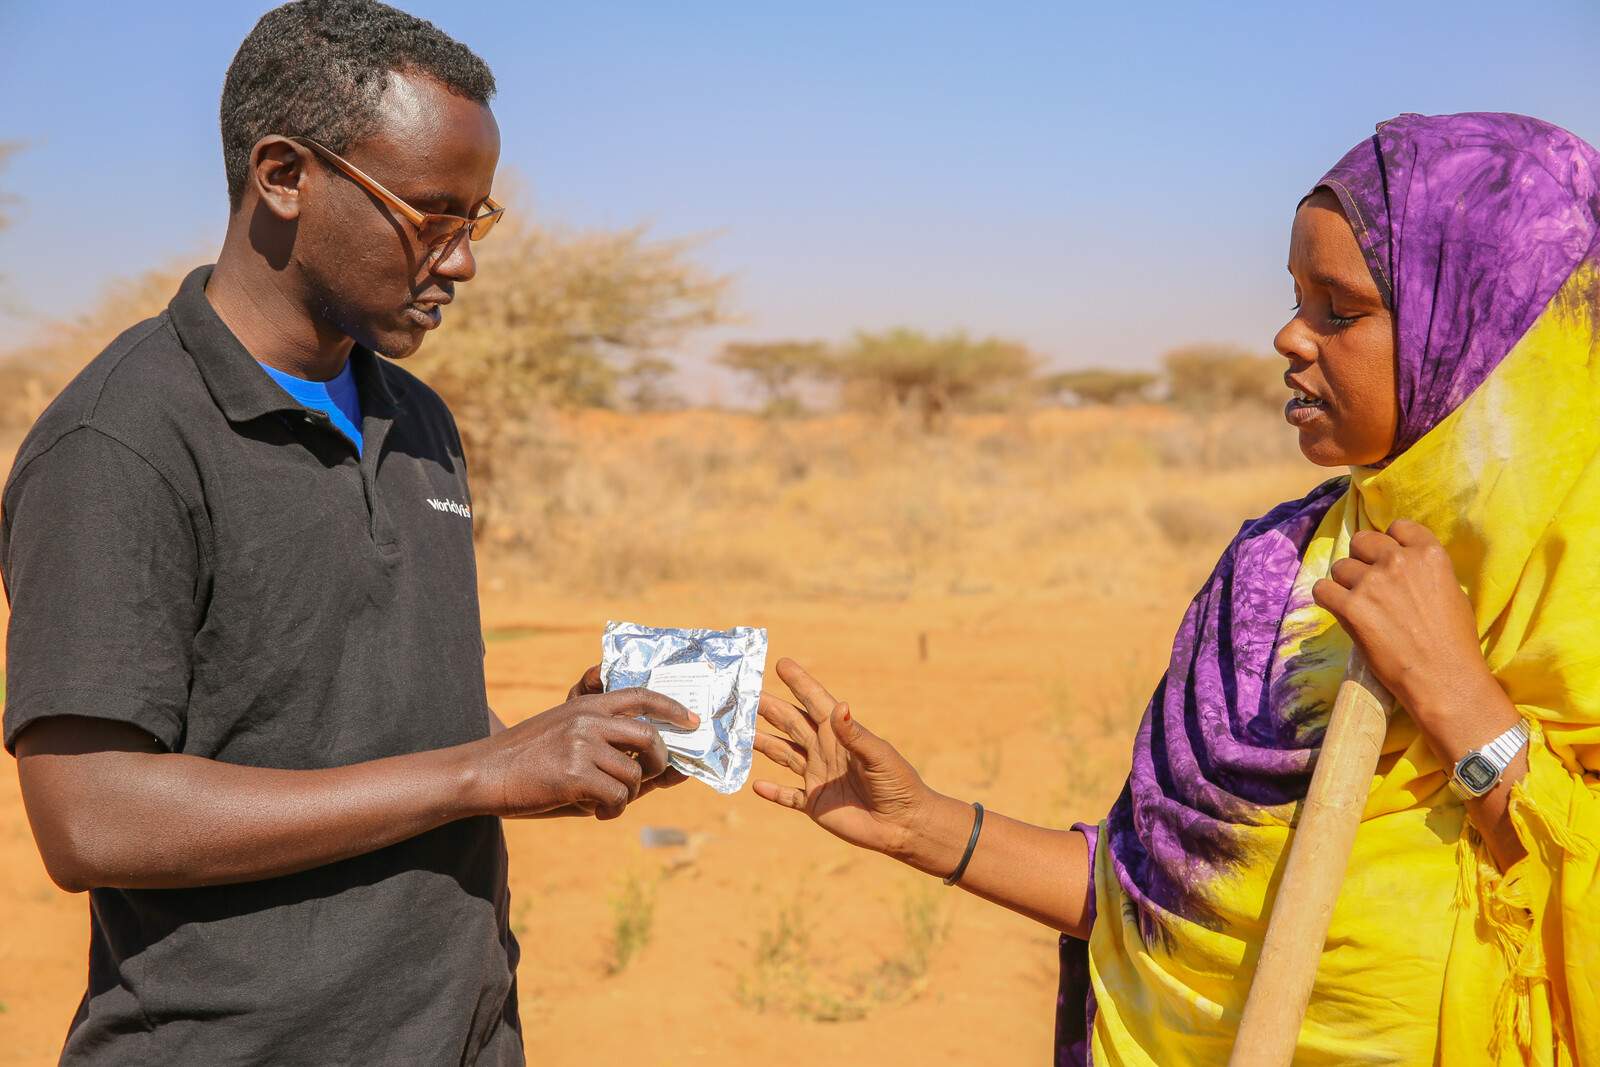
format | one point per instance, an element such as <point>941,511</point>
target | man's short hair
<point>318,69</point>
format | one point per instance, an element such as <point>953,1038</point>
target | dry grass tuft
<point>1092,501</point>
<point>633,917</point>
<point>784,978</point>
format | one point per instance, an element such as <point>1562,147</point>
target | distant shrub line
<point>562,318</point>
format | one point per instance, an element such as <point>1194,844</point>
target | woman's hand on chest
<point>1397,597</point>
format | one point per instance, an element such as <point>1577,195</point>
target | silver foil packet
<point>714,673</point>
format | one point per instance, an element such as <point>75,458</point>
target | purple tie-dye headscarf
<point>1470,224</point>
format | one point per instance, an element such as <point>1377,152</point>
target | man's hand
<point>587,756</point>
<point>109,807</point>
<point>591,683</point>
<point>588,685</point>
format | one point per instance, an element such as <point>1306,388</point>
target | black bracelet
<point>972,843</point>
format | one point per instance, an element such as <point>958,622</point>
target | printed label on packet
<point>690,684</point>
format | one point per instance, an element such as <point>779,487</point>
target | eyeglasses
<point>435,231</point>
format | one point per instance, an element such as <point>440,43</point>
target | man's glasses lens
<point>435,231</point>
<point>444,229</point>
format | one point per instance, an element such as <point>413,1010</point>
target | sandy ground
<point>1020,703</point>
<point>997,601</point>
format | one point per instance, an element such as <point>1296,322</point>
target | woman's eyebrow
<point>1343,285</point>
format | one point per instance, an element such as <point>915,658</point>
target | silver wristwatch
<point>1481,769</point>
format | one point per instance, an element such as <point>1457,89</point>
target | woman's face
<point>1340,344</point>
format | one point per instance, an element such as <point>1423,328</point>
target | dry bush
<point>777,368</point>
<point>905,370</point>
<point>1100,386</point>
<point>633,917</point>
<point>1214,378</point>
<point>786,976</point>
<point>31,376</point>
<point>1066,499</point>
<point>561,318</point>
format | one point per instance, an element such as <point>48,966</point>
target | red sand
<point>980,707</point>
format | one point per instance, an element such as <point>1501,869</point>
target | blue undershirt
<point>339,398</point>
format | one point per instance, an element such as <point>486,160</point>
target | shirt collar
<point>237,383</point>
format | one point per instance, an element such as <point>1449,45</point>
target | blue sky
<point>1100,181</point>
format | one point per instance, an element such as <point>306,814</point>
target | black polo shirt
<point>188,549</point>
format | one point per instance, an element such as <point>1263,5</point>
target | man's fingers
<point>817,700</point>
<point>640,739</point>
<point>665,780</point>
<point>790,719</point>
<point>611,799</point>
<point>787,795</point>
<point>589,684</point>
<point>782,751</point>
<point>620,767</point>
<point>632,703</point>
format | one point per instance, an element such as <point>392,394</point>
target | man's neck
<point>274,327</point>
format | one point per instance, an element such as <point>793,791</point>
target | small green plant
<point>781,979</point>
<point>633,917</point>
<point>519,915</point>
<point>1116,710</point>
<point>924,922</point>
<point>1061,709</point>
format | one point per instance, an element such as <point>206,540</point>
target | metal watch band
<point>1504,748</point>
<point>1497,754</point>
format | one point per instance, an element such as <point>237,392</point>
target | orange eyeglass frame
<point>432,230</point>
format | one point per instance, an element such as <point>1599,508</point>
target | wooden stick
<point>1318,857</point>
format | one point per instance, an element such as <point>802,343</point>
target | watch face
<point>1477,774</point>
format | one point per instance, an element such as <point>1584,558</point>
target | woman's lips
<point>1303,408</point>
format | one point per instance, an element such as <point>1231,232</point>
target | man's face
<point>368,276</point>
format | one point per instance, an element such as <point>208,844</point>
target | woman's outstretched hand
<point>852,782</point>
<point>857,787</point>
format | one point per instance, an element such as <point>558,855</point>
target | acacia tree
<point>908,370</point>
<point>560,318</point>
<point>777,366</point>
<point>1214,382</point>
<point>1213,378</point>
<point>1098,385</point>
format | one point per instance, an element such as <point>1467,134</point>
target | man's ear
<point>277,174</point>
